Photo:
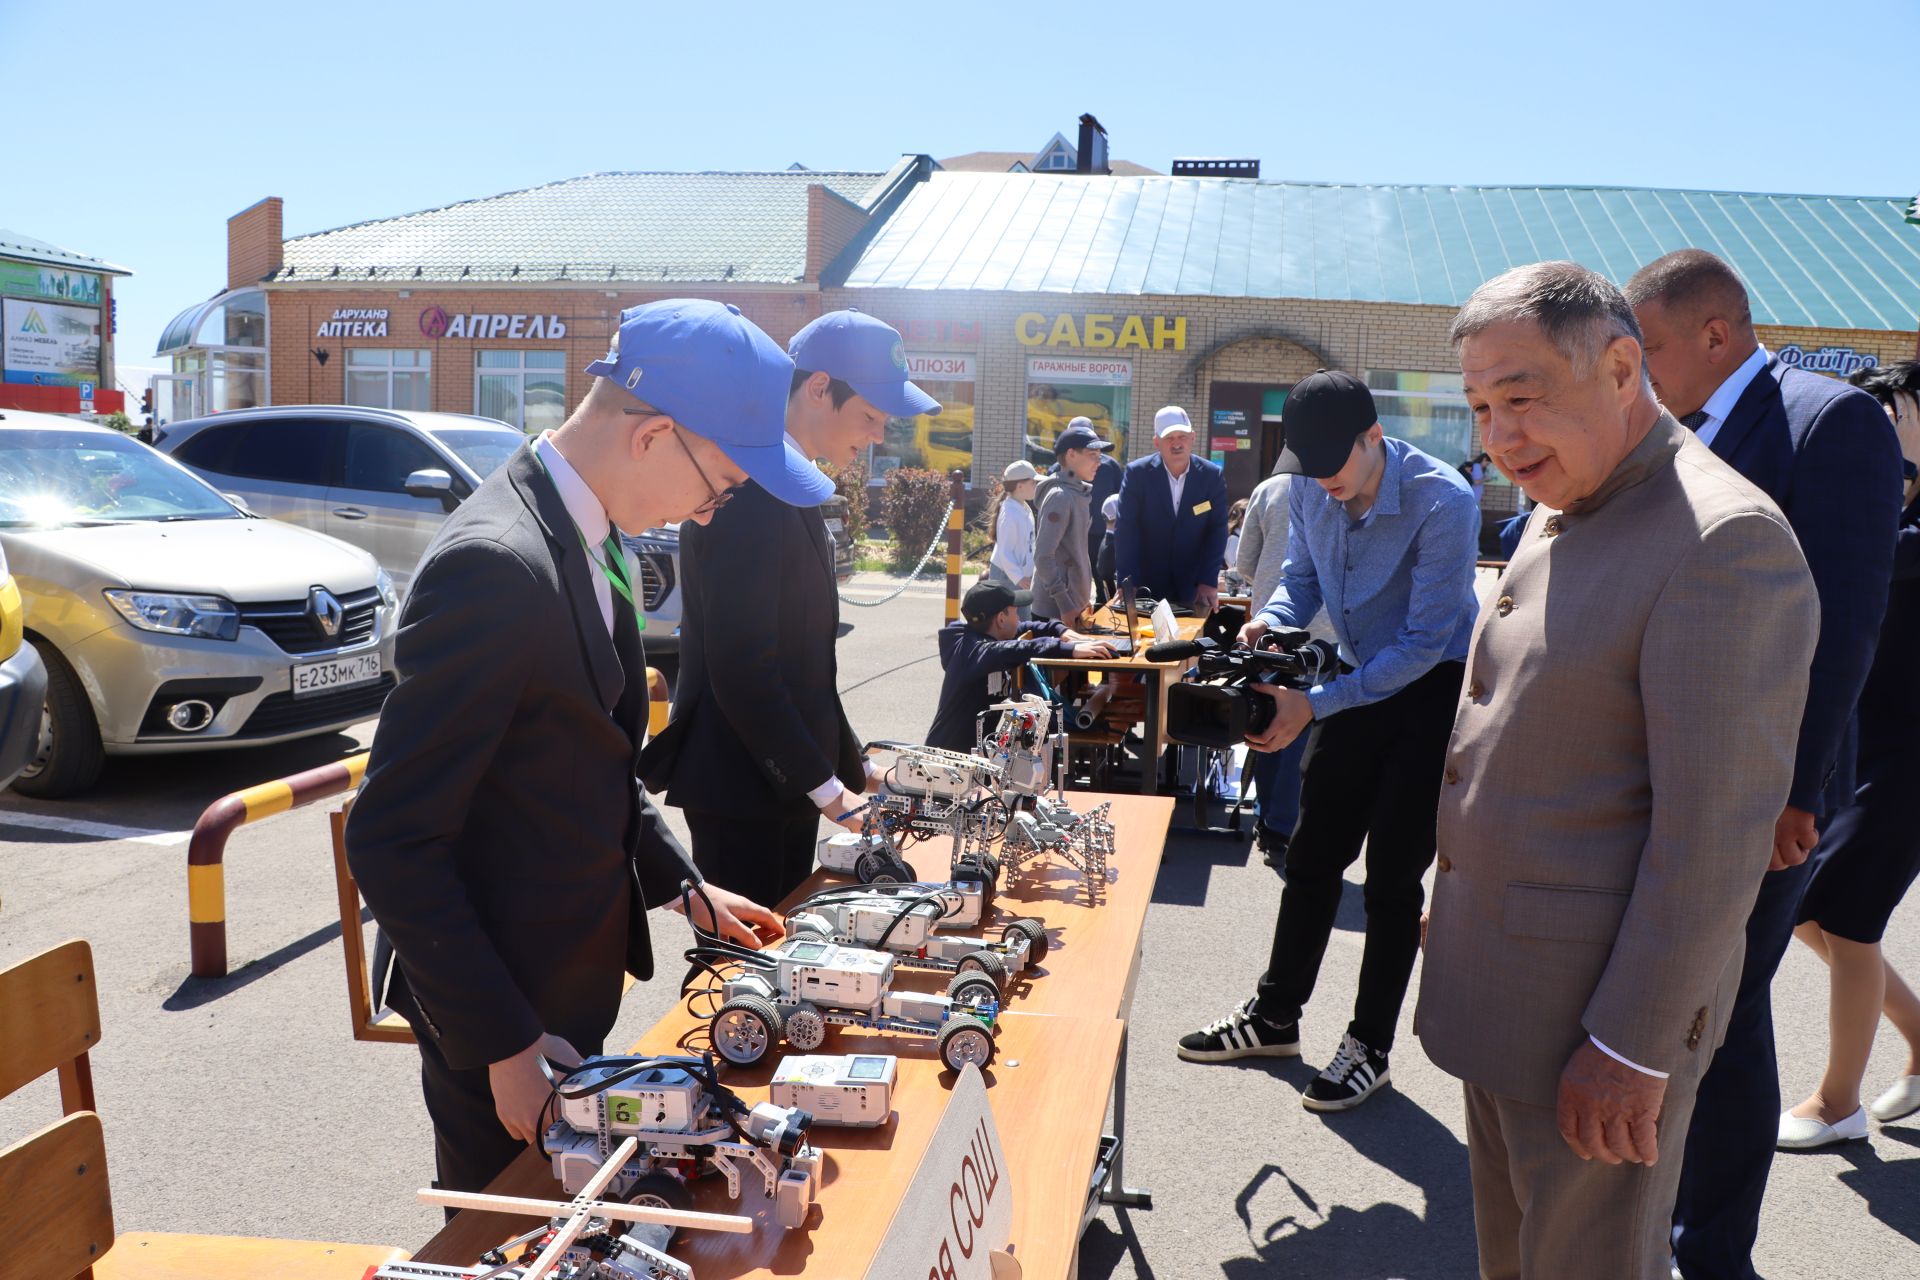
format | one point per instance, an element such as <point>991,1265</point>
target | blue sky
<point>135,130</point>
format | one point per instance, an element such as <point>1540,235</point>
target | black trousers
<point>1371,775</point>
<point>764,858</point>
<point>470,1148</point>
<point>1736,1114</point>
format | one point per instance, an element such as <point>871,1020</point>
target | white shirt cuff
<point>827,793</point>
<point>1629,1062</point>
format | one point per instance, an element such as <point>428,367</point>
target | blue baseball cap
<point>867,354</point>
<point>714,372</point>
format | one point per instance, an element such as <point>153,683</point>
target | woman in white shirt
<point>1012,523</point>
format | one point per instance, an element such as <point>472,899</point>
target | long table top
<point>1135,662</point>
<point>1057,1048</point>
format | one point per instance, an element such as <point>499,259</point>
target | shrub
<point>850,482</point>
<point>912,505</point>
<point>119,422</point>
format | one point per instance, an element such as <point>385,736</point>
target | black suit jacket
<point>500,836</point>
<point>1826,453</point>
<point>757,721</point>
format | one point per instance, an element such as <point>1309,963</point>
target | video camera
<point>1212,706</point>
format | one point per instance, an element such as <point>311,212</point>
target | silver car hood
<point>247,561</point>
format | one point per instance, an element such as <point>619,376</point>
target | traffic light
<point>146,402</point>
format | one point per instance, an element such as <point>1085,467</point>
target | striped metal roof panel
<point>24,248</point>
<point>1844,262</point>
<point>629,227</point>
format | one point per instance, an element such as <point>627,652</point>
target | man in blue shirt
<point>1386,541</point>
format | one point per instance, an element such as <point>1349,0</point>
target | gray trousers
<point>1540,1212</point>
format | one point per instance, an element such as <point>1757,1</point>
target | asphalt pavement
<point>244,1106</point>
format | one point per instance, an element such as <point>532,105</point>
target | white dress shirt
<point>1178,484</point>
<point>1721,402</point>
<point>589,517</point>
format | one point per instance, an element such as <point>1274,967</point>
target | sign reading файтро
<point>1840,360</point>
<point>957,1213</point>
<point>1099,332</point>
<point>436,323</point>
<point>354,322</point>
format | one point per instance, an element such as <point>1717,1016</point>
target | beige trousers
<point>1540,1212</point>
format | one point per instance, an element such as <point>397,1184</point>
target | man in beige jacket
<point>1622,747</point>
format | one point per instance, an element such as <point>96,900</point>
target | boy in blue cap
<point>500,837</point>
<point>984,648</point>
<point>759,748</point>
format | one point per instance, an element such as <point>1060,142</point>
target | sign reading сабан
<point>956,1218</point>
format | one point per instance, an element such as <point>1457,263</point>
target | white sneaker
<point>1809,1133</point>
<point>1903,1099</point>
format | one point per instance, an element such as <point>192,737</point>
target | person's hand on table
<point>1206,598</point>
<point>1292,713</point>
<point>1608,1111</point>
<point>521,1088</point>
<point>741,919</point>
<point>1794,836</point>
<point>1251,633</point>
<point>1087,649</point>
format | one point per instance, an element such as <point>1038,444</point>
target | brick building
<point>494,306</point>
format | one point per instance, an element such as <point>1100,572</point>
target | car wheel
<point>964,1041</point>
<point>660,1191</point>
<point>745,1029</point>
<point>69,757</point>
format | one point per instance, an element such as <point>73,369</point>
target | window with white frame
<point>389,378</point>
<point>524,389</point>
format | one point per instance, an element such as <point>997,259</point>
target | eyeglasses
<point>716,498</point>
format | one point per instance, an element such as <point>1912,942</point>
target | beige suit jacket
<point>1623,746</point>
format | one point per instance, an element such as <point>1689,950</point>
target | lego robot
<point>905,924</point>
<point>687,1126</point>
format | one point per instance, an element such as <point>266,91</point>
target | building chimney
<point>254,243</point>
<point>1092,156</point>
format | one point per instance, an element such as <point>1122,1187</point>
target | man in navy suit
<point>1827,455</point>
<point>1173,519</point>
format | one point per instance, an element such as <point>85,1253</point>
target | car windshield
<point>482,448</point>
<point>53,478</point>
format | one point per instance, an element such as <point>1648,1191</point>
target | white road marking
<point>99,830</point>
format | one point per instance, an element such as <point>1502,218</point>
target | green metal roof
<point>1847,262</point>
<point>24,248</point>
<point>628,227</point>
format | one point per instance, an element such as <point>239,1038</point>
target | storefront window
<point>383,378</point>
<point>218,352</point>
<point>235,380</point>
<point>936,441</point>
<point>1062,388</point>
<point>1427,410</point>
<point>524,389</point>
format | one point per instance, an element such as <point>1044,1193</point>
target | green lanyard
<point>614,567</point>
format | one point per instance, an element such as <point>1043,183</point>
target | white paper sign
<point>958,1210</point>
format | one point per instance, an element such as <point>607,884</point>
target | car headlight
<point>208,617</point>
<point>384,581</point>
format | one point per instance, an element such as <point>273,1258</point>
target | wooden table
<point>1060,1055</point>
<point>1156,676</point>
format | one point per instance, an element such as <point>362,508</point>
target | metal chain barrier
<point>939,535</point>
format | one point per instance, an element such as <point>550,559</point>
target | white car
<point>170,619</point>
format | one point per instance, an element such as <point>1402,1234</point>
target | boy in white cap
<point>1173,519</point>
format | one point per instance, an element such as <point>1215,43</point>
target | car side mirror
<point>240,502</point>
<point>432,482</point>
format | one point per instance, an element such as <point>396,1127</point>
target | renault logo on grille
<point>324,608</point>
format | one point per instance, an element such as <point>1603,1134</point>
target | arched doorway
<point>1244,382</point>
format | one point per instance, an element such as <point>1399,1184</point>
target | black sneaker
<point>1273,848</point>
<point>1349,1080</point>
<point>1241,1034</point>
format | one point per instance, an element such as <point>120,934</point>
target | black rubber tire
<point>990,963</point>
<point>1034,931</point>
<point>874,867</point>
<point>961,1036</point>
<point>748,1007</point>
<point>962,983</point>
<point>661,1191</point>
<point>77,756</point>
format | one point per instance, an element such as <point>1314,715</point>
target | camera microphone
<point>1174,650</point>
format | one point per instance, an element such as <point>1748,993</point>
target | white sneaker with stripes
<point>1349,1080</point>
<point>1241,1034</point>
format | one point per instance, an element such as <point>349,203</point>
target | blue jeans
<point>1276,785</point>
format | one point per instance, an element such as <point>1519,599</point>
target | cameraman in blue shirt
<point>1386,540</point>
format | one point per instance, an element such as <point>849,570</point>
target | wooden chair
<point>56,1214</point>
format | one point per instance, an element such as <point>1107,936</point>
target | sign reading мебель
<point>436,323</point>
<point>1102,332</point>
<point>1840,360</point>
<point>48,345</point>
<point>354,322</point>
<point>956,1218</point>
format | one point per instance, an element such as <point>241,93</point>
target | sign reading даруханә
<point>354,322</point>
<point>1840,360</point>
